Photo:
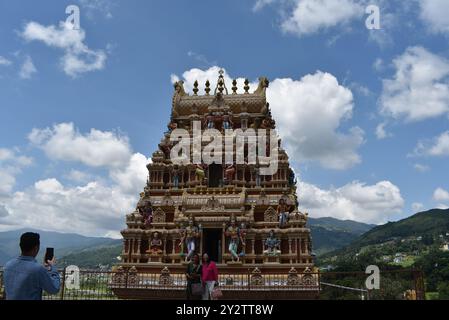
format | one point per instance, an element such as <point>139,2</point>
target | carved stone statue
<point>210,121</point>
<point>156,245</point>
<point>272,245</point>
<point>283,212</point>
<point>242,236</point>
<point>188,237</point>
<point>227,122</point>
<point>145,208</point>
<point>232,232</point>
<point>229,173</point>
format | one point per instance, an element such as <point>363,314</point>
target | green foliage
<point>93,258</point>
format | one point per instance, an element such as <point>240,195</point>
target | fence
<point>97,285</point>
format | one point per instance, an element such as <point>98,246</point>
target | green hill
<point>64,243</point>
<point>424,224</point>
<point>330,234</point>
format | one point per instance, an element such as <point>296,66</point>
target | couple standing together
<point>202,278</point>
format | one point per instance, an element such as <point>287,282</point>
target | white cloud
<point>27,69</point>
<point>91,7</point>
<point>355,201</point>
<point>420,88</point>
<point>417,206</point>
<point>96,207</point>
<point>441,195</point>
<point>295,104</point>
<point>421,167</point>
<point>132,175</point>
<point>95,149</point>
<point>312,16</point>
<point>261,4</point>
<point>437,147</point>
<point>78,176</point>
<point>78,58</point>
<point>4,61</point>
<point>11,164</point>
<point>3,211</point>
<point>434,14</point>
<point>381,133</point>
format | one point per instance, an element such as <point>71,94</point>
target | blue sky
<point>364,113</point>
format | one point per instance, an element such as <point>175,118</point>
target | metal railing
<point>99,285</point>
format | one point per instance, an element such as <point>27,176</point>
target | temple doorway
<point>212,244</point>
<point>215,175</point>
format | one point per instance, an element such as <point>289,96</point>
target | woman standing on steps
<point>193,274</point>
<point>209,276</point>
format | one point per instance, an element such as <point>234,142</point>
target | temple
<point>243,219</point>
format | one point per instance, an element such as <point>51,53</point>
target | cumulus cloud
<point>78,58</point>
<point>11,164</point>
<point>436,147</point>
<point>420,88</point>
<point>434,14</point>
<point>96,148</point>
<point>381,132</point>
<point>421,167</point>
<point>27,69</point>
<point>417,207</point>
<point>4,61</point>
<point>441,196</point>
<point>312,16</point>
<point>295,104</point>
<point>93,207</point>
<point>92,7</point>
<point>358,201</point>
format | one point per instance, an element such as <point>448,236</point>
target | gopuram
<point>245,219</point>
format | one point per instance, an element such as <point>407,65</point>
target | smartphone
<point>49,254</point>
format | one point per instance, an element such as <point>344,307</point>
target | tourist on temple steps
<point>25,278</point>
<point>193,275</point>
<point>209,276</point>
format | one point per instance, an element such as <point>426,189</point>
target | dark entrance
<point>215,175</point>
<point>212,244</point>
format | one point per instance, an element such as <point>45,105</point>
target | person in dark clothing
<point>193,274</point>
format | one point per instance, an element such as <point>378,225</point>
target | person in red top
<point>209,276</point>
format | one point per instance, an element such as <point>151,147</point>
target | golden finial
<point>207,90</point>
<point>195,88</point>
<point>246,87</point>
<point>234,87</point>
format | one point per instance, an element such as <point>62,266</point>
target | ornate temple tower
<point>241,218</point>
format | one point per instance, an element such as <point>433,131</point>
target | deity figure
<point>272,245</point>
<point>266,124</point>
<point>145,208</point>
<point>200,172</point>
<point>242,236</point>
<point>234,237</point>
<point>172,126</point>
<point>283,212</point>
<point>229,173</point>
<point>189,236</point>
<point>210,121</point>
<point>155,245</point>
<point>257,174</point>
<point>227,122</point>
<point>165,146</point>
<point>175,175</point>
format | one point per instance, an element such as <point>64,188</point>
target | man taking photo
<point>25,278</point>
